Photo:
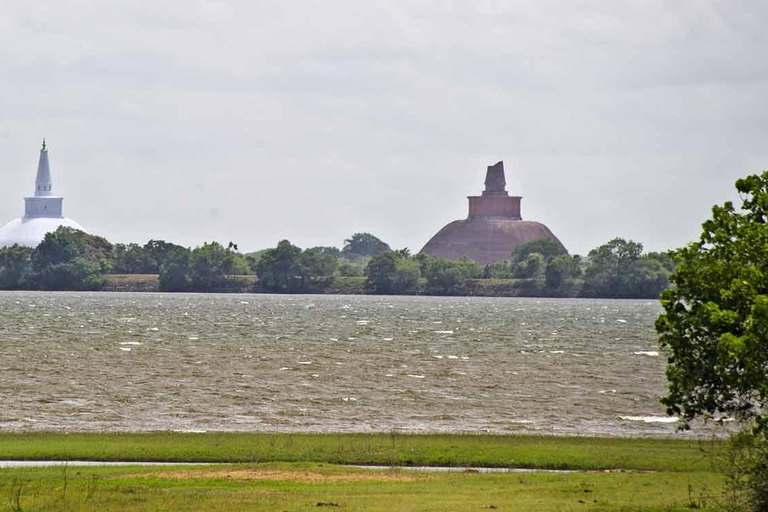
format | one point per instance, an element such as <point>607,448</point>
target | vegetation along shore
<point>68,259</point>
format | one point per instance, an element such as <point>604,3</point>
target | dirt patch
<point>277,475</point>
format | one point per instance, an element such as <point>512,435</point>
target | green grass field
<point>303,472</point>
<point>295,487</point>
<point>543,452</point>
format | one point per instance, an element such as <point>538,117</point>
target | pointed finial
<point>44,144</point>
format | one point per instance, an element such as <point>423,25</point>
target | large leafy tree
<point>278,268</point>
<point>715,322</point>
<point>131,259</point>
<point>210,264</point>
<point>70,259</point>
<point>15,267</point>
<point>364,244</point>
<point>561,269</point>
<point>448,277</point>
<point>392,272</point>
<point>174,271</point>
<point>619,268</point>
<point>532,267</point>
<point>609,267</point>
<point>547,247</point>
<point>157,251</point>
<point>287,268</point>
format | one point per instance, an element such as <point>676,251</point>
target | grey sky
<point>254,121</point>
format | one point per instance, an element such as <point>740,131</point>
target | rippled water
<point>133,362</point>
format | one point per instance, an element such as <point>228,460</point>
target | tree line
<point>616,269</point>
<point>69,259</point>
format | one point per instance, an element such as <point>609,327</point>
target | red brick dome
<point>493,229</point>
<point>485,240</point>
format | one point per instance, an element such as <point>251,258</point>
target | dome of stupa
<point>42,212</point>
<point>493,229</point>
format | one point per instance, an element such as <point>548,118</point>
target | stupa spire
<point>43,204</point>
<point>495,182</point>
<point>42,211</point>
<point>43,183</point>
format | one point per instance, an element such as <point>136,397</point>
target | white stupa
<point>42,212</point>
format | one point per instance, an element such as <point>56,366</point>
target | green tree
<point>392,272</point>
<point>319,266</point>
<point>363,244</point>
<point>647,278</point>
<point>609,268</point>
<point>287,268</point>
<point>278,268</point>
<point>498,270</point>
<point>15,267</point>
<point>449,277</point>
<point>210,265</point>
<point>561,270</point>
<point>547,247</point>
<point>532,267</point>
<point>347,269</point>
<point>174,271</point>
<point>99,249</point>
<point>157,251</point>
<point>620,269</point>
<point>131,259</point>
<point>241,265</point>
<point>714,330</point>
<point>667,259</point>
<point>715,321</point>
<point>70,259</point>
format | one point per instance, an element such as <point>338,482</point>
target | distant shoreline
<point>149,283</point>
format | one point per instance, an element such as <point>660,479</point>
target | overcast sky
<point>254,121</point>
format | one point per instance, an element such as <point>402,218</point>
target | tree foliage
<point>618,269</point>
<point>499,270</point>
<point>547,247</point>
<point>541,267</point>
<point>449,277</point>
<point>174,271</point>
<point>532,267</point>
<point>131,259</point>
<point>157,251</point>
<point>70,259</point>
<point>325,250</point>
<point>347,269</point>
<point>15,267</point>
<point>560,269</point>
<point>287,268</point>
<point>392,272</point>
<point>137,259</point>
<point>210,265</point>
<point>715,322</point>
<point>363,244</point>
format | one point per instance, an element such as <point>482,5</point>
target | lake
<point>189,362</point>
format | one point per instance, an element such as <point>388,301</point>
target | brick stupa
<point>493,229</point>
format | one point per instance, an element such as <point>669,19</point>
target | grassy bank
<point>374,449</point>
<point>132,283</point>
<point>294,472</point>
<point>294,487</point>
